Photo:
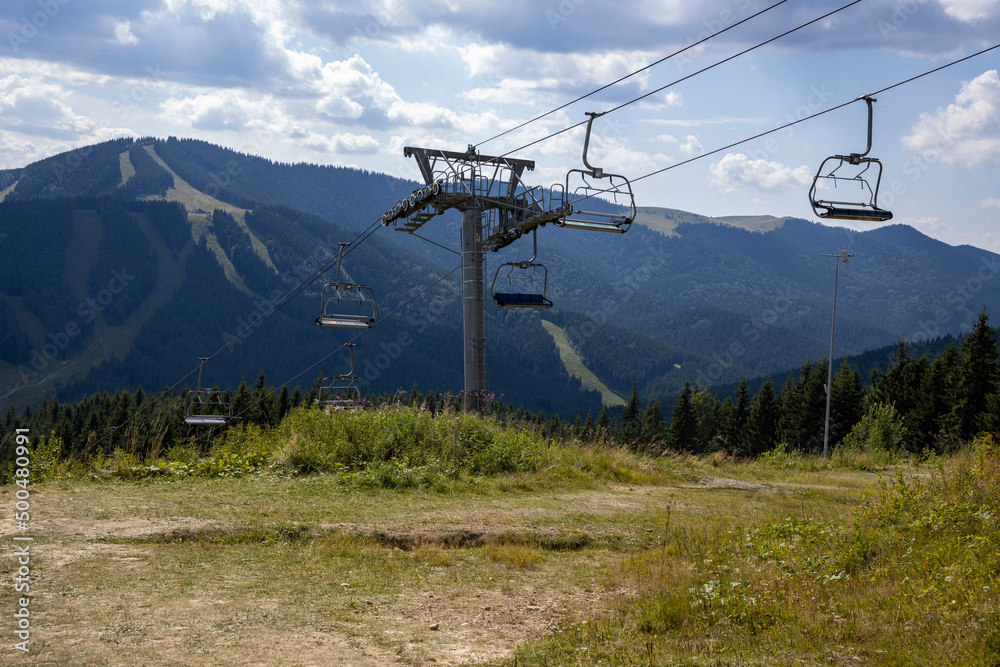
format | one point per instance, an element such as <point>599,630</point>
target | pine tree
<point>708,412</point>
<point>812,410</point>
<point>603,422</point>
<point>654,427</point>
<point>631,428</point>
<point>283,403</point>
<point>736,417</point>
<point>242,400</point>
<point>977,378</point>
<point>64,431</point>
<point>683,422</point>
<point>846,402</point>
<point>899,386</point>
<point>761,432</point>
<point>789,400</point>
<point>928,417</point>
<point>263,408</point>
<point>140,398</point>
<point>123,409</point>
<point>95,427</point>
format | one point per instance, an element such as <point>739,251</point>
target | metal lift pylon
<point>497,209</point>
<point>474,310</point>
<point>481,187</point>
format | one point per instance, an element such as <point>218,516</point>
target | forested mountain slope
<point>680,297</point>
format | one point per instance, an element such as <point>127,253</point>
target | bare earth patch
<point>723,483</point>
<point>301,571</point>
<point>451,581</point>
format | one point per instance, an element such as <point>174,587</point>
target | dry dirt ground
<point>168,574</point>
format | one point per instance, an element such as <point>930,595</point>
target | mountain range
<point>126,261</point>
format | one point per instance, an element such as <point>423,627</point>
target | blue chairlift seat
<point>530,276</point>
<point>865,214</point>
<point>517,300</point>
<point>867,209</point>
<point>864,208</point>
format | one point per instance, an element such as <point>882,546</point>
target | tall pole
<point>844,256</point>
<point>473,309</point>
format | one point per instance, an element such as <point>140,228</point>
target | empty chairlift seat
<point>346,304</point>
<point>342,392</point>
<point>595,200</point>
<point>518,300</point>
<point>207,407</point>
<point>843,186</point>
<point>522,284</point>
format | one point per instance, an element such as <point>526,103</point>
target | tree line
<point>940,402</point>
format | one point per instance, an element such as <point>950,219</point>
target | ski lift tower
<point>496,210</point>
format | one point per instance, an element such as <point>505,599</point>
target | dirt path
<point>302,571</point>
<point>152,578</point>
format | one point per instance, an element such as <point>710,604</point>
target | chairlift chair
<point>585,184</point>
<point>207,407</point>
<point>345,304</point>
<point>867,208</point>
<point>342,392</point>
<point>536,278</point>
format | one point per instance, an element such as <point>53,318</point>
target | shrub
<point>877,440</point>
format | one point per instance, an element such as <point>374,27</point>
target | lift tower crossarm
<point>422,156</point>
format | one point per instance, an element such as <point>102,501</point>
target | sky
<point>352,83</point>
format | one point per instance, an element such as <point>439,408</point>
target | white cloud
<point>348,87</point>
<point>971,11</point>
<point>18,150</point>
<point>480,58</point>
<point>503,62</point>
<point>343,143</point>
<point>691,146</point>
<point>737,170</point>
<point>33,107</point>
<point>123,33</point>
<point>703,122</point>
<point>659,102</point>
<point>422,114</point>
<point>991,202</point>
<point>931,224</point>
<point>37,120</point>
<point>224,110</point>
<point>207,9</point>
<point>966,132</point>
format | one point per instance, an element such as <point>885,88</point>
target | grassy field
<point>396,538</point>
